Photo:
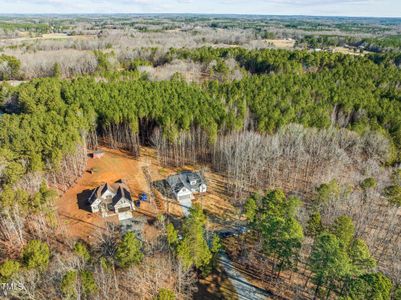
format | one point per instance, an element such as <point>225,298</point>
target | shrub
<point>393,194</point>
<point>36,255</point>
<point>9,268</point>
<point>81,250</point>
<point>165,294</point>
<point>327,191</point>
<point>172,235</point>
<point>9,67</point>
<point>368,183</point>
<point>88,282</point>
<point>67,286</point>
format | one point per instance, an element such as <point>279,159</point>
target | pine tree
<point>360,256</point>
<point>314,226</point>
<point>57,70</point>
<point>371,286</point>
<point>193,249</point>
<point>328,262</point>
<point>344,229</point>
<point>36,254</point>
<point>128,251</point>
<point>172,235</point>
<point>274,219</point>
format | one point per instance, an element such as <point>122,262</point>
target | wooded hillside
<point>321,125</point>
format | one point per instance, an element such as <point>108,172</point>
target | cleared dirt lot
<point>79,222</point>
<point>72,206</point>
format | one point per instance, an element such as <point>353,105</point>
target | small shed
<point>98,154</point>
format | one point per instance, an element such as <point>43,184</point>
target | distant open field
<point>47,36</point>
<point>349,51</point>
<point>282,43</point>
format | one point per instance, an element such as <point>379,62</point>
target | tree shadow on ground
<point>82,199</point>
<point>215,286</point>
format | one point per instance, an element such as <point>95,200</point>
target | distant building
<point>115,198</point>
<point>185,184</point>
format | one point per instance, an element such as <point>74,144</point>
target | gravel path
<point>244,289</point>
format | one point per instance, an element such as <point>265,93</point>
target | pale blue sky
<point>390,8</point>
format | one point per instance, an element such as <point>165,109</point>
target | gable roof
<point>106,187</point>
<point>183,179</point>
<point>175,183</point>
<point>188,176</point>
<point>121,193</point>
<point>119,190</point>
<point>97,193</point>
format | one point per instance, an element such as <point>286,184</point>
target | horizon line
<point>191,13</point>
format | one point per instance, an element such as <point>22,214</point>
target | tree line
<point>48,117</point>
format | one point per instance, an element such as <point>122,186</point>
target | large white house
<point>115,198</point>
<point>185,184</point>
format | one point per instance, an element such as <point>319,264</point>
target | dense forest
<point>48,117</point>
<point>341,110</point>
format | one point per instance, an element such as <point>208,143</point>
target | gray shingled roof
<point>183,179</point>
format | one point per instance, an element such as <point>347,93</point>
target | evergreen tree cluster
<point>340,262</point>
<point>48,117</point>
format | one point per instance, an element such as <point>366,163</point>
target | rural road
<point>244,289</point>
